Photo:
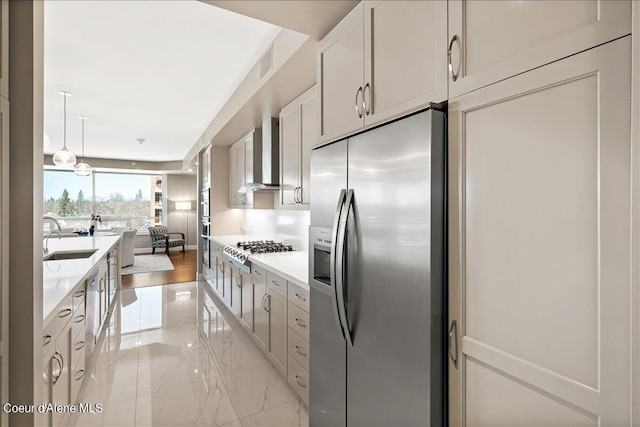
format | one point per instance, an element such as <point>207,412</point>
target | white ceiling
<point>159,70</point>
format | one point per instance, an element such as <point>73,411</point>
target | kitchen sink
<point>57,256</point>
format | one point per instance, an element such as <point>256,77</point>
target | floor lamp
<point>185,207</point>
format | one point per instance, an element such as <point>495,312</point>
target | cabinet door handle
<point>300,352</point>
<point>79,318</point>
<point>46,340</point>
<point>299,323</point>
<point>366,105</point>
<point>263,306</point>
<point>239,281</point>
<point>295,195</point>
<point>79,345</point>
<point>359,91</point>
<point>300,297</point>
<point>64,313</point>
<point>300,381</point>
<point>79,294</point>
<point>453,336</point>
<point>268,302</point>
<point>60,365</point>
<point>454,76</point>
<point>222,268</point>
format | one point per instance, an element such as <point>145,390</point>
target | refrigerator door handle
<point>453,334</point>
<point>334,242</point>
<point>342,237</point>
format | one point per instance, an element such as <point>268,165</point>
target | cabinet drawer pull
<point>79,375</point>
<point>299,323</point>
<point>46,340</point>
<point>300,381</point>
<point>275,283</point>
<point>257,272</point>
<point>300,297</point>
<point>79,294</point>
<point>299,351</point>
<point>79,345</point>
<point>64,313</point>
<point>79,318</point>
<point>454,76</point>
<point>358,104</point>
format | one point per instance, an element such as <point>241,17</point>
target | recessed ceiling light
<point>140,140</point>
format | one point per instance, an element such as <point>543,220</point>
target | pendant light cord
<point>83,119</point>
<point>64,133</point>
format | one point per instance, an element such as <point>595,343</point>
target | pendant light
<point>82,168</point>
<point>63,157</point>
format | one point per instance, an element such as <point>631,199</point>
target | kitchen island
<point>78,293</point>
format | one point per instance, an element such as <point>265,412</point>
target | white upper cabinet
<point>492,40</point>
<point>384,59</point>
<point>298,133</point>
<point>241,158</point>
<point>405,62</point>
<point>340,65</point>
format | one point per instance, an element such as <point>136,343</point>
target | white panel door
<point>289,153</point>
<point>340,74</point>
<point>406,69</point>
<point>499,39</point>
<point>539,208</point>
<point>308,139</point>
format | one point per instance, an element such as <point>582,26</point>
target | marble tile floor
<point>166,361</point>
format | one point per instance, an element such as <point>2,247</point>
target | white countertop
<point>293,266</point>
<point>59,278</point>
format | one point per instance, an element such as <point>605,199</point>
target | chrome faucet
<point>55,221</point>
<point>46,242</point>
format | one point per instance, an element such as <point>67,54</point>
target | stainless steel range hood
<point>266,159</point>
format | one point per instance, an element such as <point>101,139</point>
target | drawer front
<point>77,377</point>
<point>78,298</point>
<point>78,344</point>
<point>258,274</point>
<point>298,378</point>
<point>298,296</point>
<point>298,348</point>
<point>276,284</point>
<point>299,321</point>
<point>49,334</point>
<point>64,313</point>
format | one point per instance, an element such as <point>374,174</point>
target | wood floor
<point>185,265</point>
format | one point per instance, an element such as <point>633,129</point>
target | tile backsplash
<point>290,227</point>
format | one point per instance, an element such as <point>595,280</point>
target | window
<point>121,200</point>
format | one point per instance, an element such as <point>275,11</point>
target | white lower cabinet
<point>246,312</point>
<point>260,315</point>
<point>277,340</point>
<point>276,313</point>
<point>64,361</point>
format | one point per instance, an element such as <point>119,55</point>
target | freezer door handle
<point>333,266</point>
<point>453,336</point>
<point>340,285</point>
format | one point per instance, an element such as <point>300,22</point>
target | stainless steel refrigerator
<point>377,277</point>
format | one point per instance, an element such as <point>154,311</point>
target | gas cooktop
<point>239,254</point>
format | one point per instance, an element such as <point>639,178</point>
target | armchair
<point>161,238</point>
